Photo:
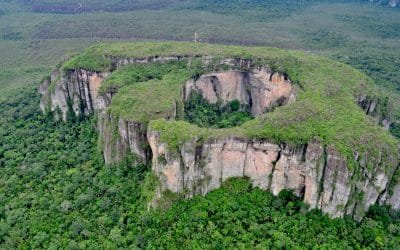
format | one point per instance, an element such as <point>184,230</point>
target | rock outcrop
<point>378,108</point>
<point>260,89</point>
<point>121,137</point>
<point>393,199</point>
<point>75,91</point>
<point>316,173</point>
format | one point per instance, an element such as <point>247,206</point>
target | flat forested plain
<point>55,191</point>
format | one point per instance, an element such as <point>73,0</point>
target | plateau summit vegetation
<point>57,191</point>
<point>326,97</point>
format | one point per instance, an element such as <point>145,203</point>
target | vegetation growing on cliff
<point>204,114</point>
<point>55,192</point>
<point>150,91</point>
<point>325,108</point>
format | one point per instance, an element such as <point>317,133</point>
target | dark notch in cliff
<point>325,163</point>
<point>278,158</point>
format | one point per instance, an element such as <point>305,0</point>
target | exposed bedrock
<point>120,137</point>
<point>378,108</point>
<point>75,90</point>
<point>78,90</point>
<point>260,89</point>
<point>316,173</point>
<point>394,198</point>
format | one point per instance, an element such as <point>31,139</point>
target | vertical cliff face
<point>260,89</point>
<point>393,198</point>
<point>120,137</point>
<point>77,90</point>
<point>378,108</point>
<point>314,172</point>
<point>72,91</point>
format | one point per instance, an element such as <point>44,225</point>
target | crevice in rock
<point>353,214</point>
<point>304,153</point>
<point>220,160</point>
<point>198,156</point>
<point>127,133</point>
<point>321,183</point>
<point>148,154</point>
<point>214,82</point>
<point>381,194</point>
<point>271,176</point>
<point>352,199</point>
<point>390,185</point>
<point>80,89</point>
<point>245,158</point>
<point>182,168</point>
<point>335,175</point>
<point>302,192</point>
<point>89,93</point>
<point>67,89</point>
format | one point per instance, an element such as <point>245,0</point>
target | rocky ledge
<point>314,172</point>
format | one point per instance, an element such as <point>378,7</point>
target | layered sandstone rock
<point>316,173</point>
<point>76,90</point>
<point>121,137</point>
<point>260,89</point>
<point>377,108</point>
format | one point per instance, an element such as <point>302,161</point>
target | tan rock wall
<point>260,88</point>
<point>317,174</point>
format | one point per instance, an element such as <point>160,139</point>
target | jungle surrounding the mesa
<point>56,191</point>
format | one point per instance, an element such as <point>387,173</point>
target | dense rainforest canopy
<point>57,193</point>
